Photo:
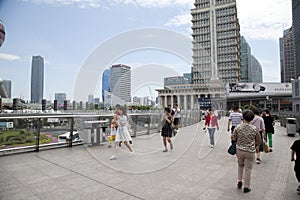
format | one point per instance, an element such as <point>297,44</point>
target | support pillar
<point>185,102</point>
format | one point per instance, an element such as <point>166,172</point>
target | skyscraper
<point>105,83</point>
<point>120,82</point>
<point>256,71</point>
<point>281,56</point>
<point>37,79</point>
<point>245,60</point>
<point>289,56</point>
<point>216,42</point>
<point>7,86</point>
<point>2,33</point>
<point>296,29</point>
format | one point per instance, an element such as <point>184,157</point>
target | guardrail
<point>140,123</point>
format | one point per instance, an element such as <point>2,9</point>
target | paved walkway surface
<point>192,170</point>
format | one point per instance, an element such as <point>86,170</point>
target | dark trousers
<point>297,170</point>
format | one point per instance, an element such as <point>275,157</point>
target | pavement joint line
<point>92,179</point>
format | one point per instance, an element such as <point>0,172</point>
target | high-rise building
<point>60,97</point>
<point>2,33</point>
<point>296,30</point>
<point>289,56</point>
<point>91,98</point>
<point>120,82</point>
<point>216,42</point>
<point>7,86</point>
<point>256,71</point>
<point>245,60</point>
<point>105,83</point>
<point>281,56</point>
<point>37,79</point>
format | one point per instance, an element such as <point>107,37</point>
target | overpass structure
<point>192,170</point>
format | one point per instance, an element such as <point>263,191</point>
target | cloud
<point>179,20</point>
<point>9,57</point>
<point>79,3</point>
<point>264,19</point>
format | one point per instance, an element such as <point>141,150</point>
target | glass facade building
<point>120,82</point>
<point>216,42</point>
<point>7,86</point>
<point>245,61</point>
<point>256,71</point>
<point>296,30</point>
<point>105,83</point>
<point>37,79</point>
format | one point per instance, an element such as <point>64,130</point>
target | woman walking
<point>211,123</point>
<point>269,126</point>
<point>166,131</point>
<point>248,138</point>
<point>122,131</point>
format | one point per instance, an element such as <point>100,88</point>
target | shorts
<point>112,138</point>
<point>176,121</point>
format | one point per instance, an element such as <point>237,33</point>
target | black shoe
<point>270,150</point>
<point>246,190</point>
<point>240,184</point>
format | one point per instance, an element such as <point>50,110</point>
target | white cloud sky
<point>9,57</point>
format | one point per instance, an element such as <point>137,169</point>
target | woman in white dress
<point>122,131</point>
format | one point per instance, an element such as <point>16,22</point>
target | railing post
<point>149,124</point>
<point>38,130</point>
<point>135,120</point>
<point>70,142</point>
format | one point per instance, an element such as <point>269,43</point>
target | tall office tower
<point>296,29</point>
<point>7,86</point>
<point>60,97</point>
<point>105,83</point>
<point>256,71</point>
<point>90,98</point>
<point>37,79</point>
<point>2,33</point>
<point>245,61</point>
<point>281,56</point>
<point>120,82</point>
<point>216,42</point>
<point>289,56</point>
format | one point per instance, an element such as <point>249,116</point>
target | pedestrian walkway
<point>192,170</point>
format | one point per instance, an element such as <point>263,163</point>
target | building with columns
<point>216,57</point>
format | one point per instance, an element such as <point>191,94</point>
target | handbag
<point>266,147</point>
<point>232,148</point>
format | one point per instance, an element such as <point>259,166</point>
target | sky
<point>66,33</point>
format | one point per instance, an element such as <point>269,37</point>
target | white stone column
<point>185,102</point>
<point>166,101</point>
<point>178,101</point>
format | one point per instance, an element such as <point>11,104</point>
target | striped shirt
<point>235,118</point>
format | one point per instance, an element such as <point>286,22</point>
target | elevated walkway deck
<point>192,170</point>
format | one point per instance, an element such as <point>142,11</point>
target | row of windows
<point>203,15</point>
<point>227,49</point>
<point>221,27</point>
<point>219,2</point>
<point>203,52</point>
<point>227,57</point>
<point>225,11</point>
<point>203,30</point>
<point>202,5</point>
<point>226,19</point>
